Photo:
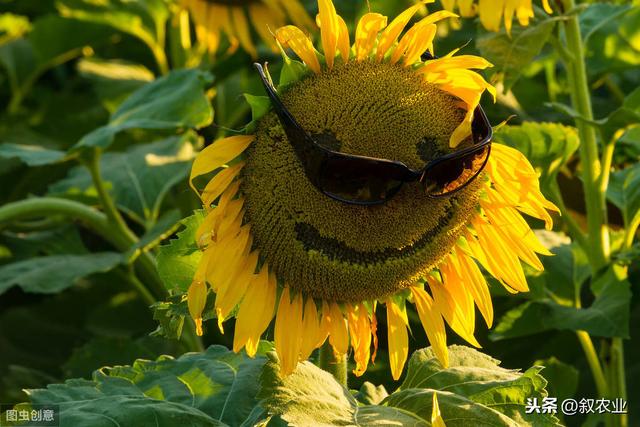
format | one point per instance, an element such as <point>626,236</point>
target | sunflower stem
<point>595,178</point>
<point>336,365</point>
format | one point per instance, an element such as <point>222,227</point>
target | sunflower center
<point>336,251</point>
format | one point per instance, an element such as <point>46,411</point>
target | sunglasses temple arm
<point>294,131</point>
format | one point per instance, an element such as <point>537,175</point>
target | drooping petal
<point>397,337</point>
<point>432,323</point>
<point>344,45</point>
<point>490,12</point>
<point>292,37</point>
<point>226,301</point>
<point>256,312</point>
<point>360,333</point>
<point>313,335</point>
<point>366,32</point>
<point>288,331</point>
<point>217,154</point>
<point>241,27</point>
<point>338,328</point>
<point>458,314</point>
<point>196,300</point>
<point>466,273</point>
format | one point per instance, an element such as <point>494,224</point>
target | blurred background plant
<point>104,105</point>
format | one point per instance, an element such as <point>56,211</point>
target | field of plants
<point>319,212</point>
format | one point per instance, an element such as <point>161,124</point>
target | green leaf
<point>32,155</point>
<point>624,192</point>
<point>140,178</point>
<point>474,390</point>
<point>598,15</point>
<point>562,378</point>
<point>608,316</point>
<point>369,394</point>
<point>292,71</point>
<point>511,54</point>
<point>480,379</point>
<point>54,273</point>
<point>177,260</point>
<point>548,146</point>
<point>212,388</point>
<point>176,101</point>
<point>142,19</point>
<point>114,80</point>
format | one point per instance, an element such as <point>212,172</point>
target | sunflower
<point>275,246</point>
<point>492,12</point>
<point>235,18</point>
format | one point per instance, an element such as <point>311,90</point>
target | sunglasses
<point>367,181</point>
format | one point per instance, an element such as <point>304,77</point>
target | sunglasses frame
<point>314,156</point>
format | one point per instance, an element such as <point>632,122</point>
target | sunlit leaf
<point>511,54</point>
<point>177,260</point>
<point>176,101</point>
<point>213,388</point>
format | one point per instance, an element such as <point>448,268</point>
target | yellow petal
<point>196,300</point>
<point>241,27</point>
<point>436,416</point>
<point>398,339</point>
<point>288,331</point>
<point>313,335</point>
<point>413,44</point>
<point>432,323</point>
<point>471,279</point>
<point>457,313</point>
<point>490,12</point>
<point>219,183</point>
<point>226,301</point>
<point>391,33</point>
<point>360,333</point>
<point>344,45</point>
<point>217,154</point>
<point>256,312</point>
<point>366,32</point>
<point>338,329</point>
<point>547,6</point>
<point>329,30</point>
<point>295,39</point>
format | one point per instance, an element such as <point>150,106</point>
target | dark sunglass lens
<point>450,175</point>
<point>357,181</point>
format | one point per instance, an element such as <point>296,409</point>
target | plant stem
<point>591,167</point>
<point>336,366</point>
<point>48,206</point>
<point>594,363</point>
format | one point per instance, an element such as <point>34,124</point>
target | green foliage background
<point>101,114</point>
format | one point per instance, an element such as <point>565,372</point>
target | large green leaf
<point>608,316</point>
<point>213,388</point>
<point>144,19</point>
<point>624,192</point>
<point>140,177</point>
<point>511,54</point>
<point>480,379</point>
<point>548,146</point>
<point>176,101</point>
<point>598,15</point>
<point>114,80</point>
<point>178,259</point>
<point>474,390</point>
<point>54,273</point>
<point>51,41</point>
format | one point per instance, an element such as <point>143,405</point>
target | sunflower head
<point>274,245</point>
